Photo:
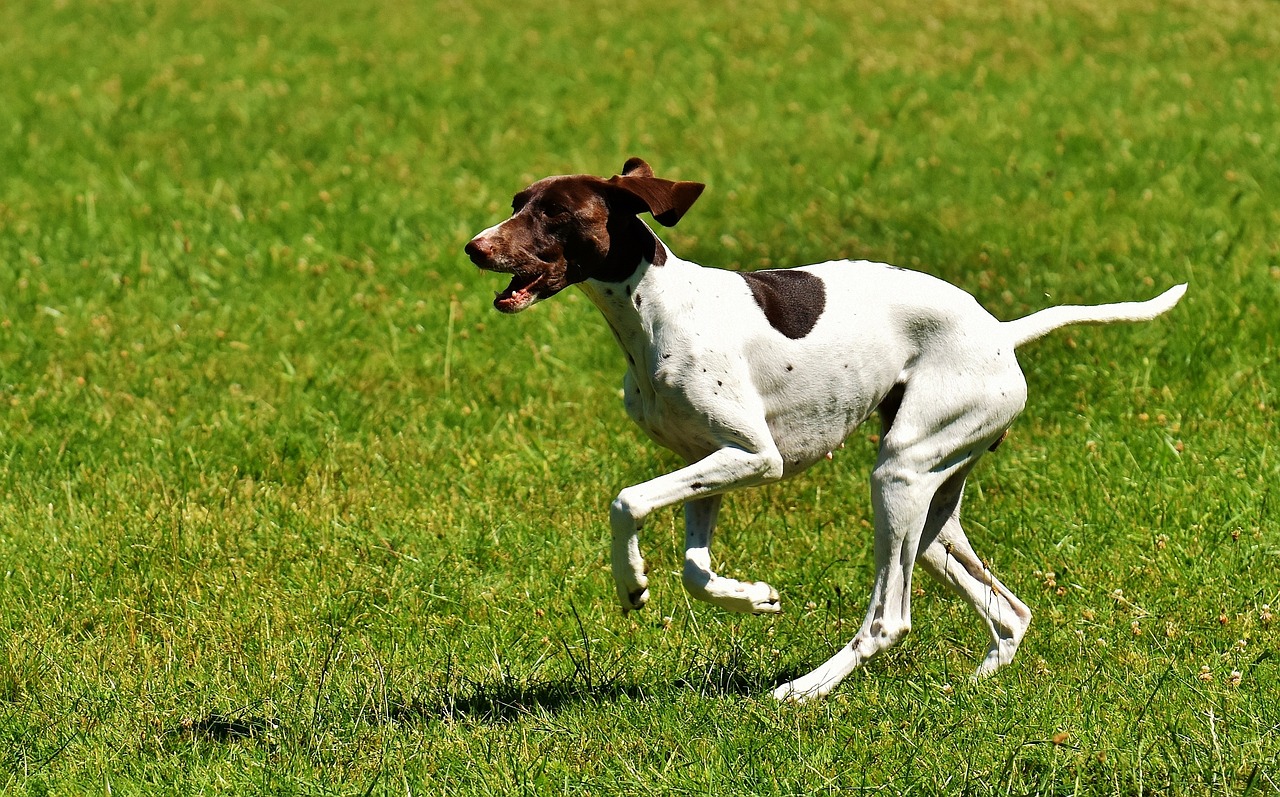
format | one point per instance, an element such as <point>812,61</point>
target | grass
<point>286,508</point>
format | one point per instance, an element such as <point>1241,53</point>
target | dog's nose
<point>478,251</point>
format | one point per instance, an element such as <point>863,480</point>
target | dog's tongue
<point>517,296</point>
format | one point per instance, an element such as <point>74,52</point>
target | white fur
<point>712,380</point>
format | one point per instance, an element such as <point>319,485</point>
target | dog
<point>752,377</point>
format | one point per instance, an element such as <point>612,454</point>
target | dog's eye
<point>555,212</point>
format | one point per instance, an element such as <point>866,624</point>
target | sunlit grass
<point>286,508</point>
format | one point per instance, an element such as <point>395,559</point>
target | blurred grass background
<point>286,508</point>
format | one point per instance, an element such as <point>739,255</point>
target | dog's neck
<point>631,305</point>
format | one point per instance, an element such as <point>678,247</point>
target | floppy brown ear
<point>636,167</point>
<point>667,200</point>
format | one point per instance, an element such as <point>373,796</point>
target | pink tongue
<point>507,300</point>
<point>516,296</point>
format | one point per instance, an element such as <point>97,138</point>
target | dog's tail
<point>1036,325</point>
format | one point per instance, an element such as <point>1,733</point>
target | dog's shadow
<point>505,700</point>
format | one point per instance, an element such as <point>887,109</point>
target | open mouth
<point>519,294</point>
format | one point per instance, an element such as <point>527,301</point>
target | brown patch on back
<point>792,300</point>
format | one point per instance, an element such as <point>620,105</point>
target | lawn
<point>287,508</point>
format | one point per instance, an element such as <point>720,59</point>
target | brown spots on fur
<point>659,254</point>
<point>792,300</point>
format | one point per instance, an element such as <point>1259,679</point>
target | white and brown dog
<point>753,377</point>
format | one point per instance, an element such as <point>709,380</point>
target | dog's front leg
<point>726,469</point>
<point>702,582</point>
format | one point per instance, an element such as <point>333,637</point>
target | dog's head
<point>564,230</point>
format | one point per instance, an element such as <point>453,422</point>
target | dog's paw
<point>633,599</point>
<point>998,655</point>
<point>765,599</point>
<point>787,693</point>
<point>802,690</point>
<point>748,598</point>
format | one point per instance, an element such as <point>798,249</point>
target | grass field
<point>286,508</point>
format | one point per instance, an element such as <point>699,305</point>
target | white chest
<point>705,369</point>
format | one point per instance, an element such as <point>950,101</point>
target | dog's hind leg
<point>951,560</point>
<point>931,442</point>
<point>901,500</point>
<point>702,582</point>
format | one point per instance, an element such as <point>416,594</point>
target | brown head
<point>564,230</point>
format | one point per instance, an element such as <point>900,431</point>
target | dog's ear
<point>667,200</point>
<point>636,167</point>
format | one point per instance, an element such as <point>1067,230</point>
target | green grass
<point>286,508</point>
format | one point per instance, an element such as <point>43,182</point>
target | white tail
<point>1025,330</point>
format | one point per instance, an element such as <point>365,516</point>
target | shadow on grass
<point>505,699</point>
<point>592,682</point>
<point>219,727</point>
<point>509,699</point>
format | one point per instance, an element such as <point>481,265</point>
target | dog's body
<point>753,377</point>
